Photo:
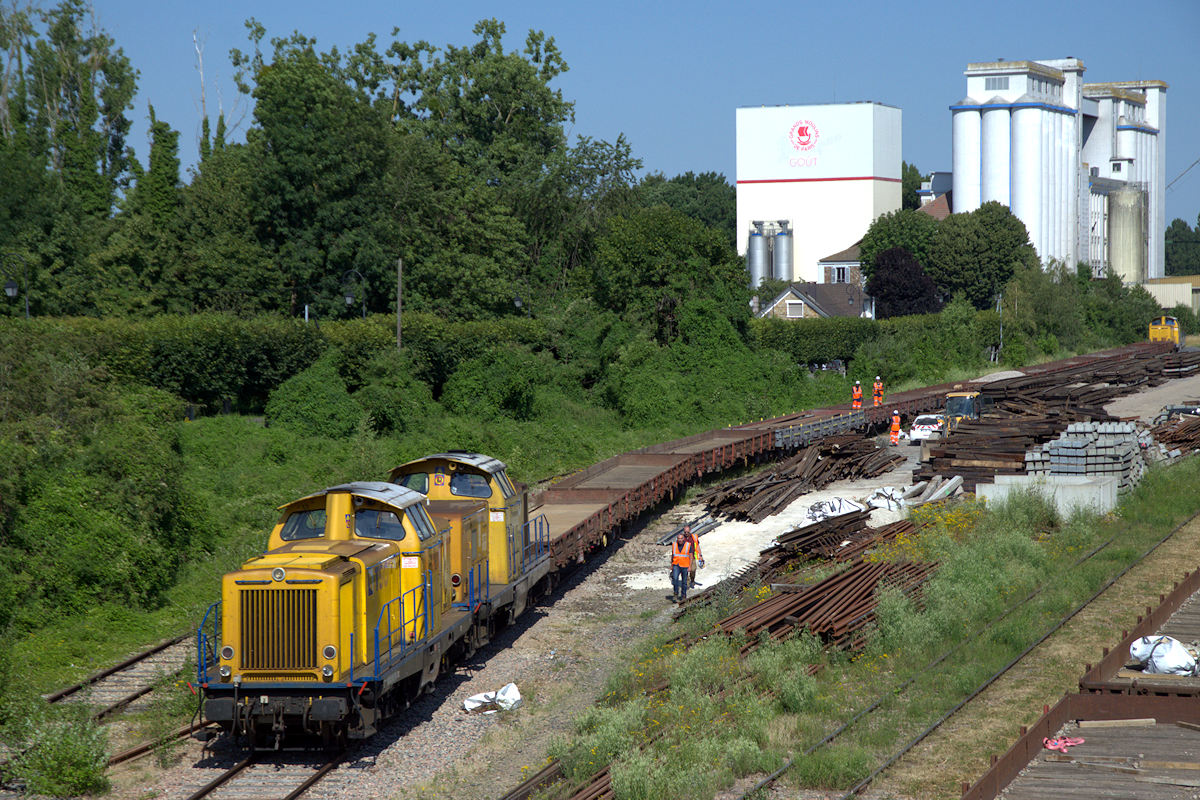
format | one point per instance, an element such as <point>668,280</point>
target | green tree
<point>64,92</point>
<point>977,253</point>
<point>652,260</point>
<point>318,195</point>
<point>910,184</point>
<point>901,287</point>
<point>1182,248</point>
<point>222,265</point>
<point>706,197</point>
<point>912,230</point>
<point>493,110</point>
<point>137,263</point>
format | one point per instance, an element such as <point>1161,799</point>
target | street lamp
<point>10,286</point>
<point>349,293</point>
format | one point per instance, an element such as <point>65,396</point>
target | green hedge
<point>212,360</point>
<point>900,348</point>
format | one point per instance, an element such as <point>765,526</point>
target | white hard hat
<point>876,377</point>
<point>856,382</point>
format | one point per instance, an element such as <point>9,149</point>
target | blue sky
<point>669,74</point>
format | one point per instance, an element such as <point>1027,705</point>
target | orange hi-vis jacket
<point>896,422</point>
<point>856,392</point>
<point>681,555</point>
<point>878,387</point>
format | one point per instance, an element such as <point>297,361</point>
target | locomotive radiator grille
<point>278,629</point>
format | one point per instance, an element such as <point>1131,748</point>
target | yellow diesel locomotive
<point>366,592</point>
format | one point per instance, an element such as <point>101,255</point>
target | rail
<point>420,622</point>
<point>206,653</point>
<point>536,535</point>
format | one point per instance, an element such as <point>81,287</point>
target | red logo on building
<point>804,135</point>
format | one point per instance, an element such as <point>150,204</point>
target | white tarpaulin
<point>834,507</point>
<point>1163,655</point>
<point>888,497</point>
<point>505,698</point>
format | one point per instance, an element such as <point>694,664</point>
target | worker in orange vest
<point>895,427</point>
<point>877,391</point>
<point>681,561</point>
<point>856,395</point>
<point>697,556</point>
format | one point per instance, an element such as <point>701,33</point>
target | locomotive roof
<point>390,493</point>
<point>488,464</point>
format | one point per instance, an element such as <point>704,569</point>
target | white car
<point>927,426</point>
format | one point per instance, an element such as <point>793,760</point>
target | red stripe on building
<point>811,180</point>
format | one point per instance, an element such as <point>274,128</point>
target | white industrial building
<point>810,180</point>
<point>1082,165</point>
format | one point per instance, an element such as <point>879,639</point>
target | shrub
<point>315,402</point>
<point>500,383</point>
<point>393,399</point>
<point>65,754</point>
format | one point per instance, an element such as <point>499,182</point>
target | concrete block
<point>1068,492</point>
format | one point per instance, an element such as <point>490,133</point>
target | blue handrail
<point>387,652</point>
<point>537,536</point>
<point>205,652</point>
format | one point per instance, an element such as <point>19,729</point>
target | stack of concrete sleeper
<point>1091,448</point>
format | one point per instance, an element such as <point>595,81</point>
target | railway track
<point>124,685</point>
<point>278,776</point>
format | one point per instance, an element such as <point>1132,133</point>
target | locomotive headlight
<point>278,574</point>
<point>330,652</point>
<point>226,671</point>
<point>226,653</point>
<point>327,670</point>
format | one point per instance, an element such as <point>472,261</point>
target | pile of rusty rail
<point>978,450</point>
<point>1185,362</point>
<point>837,539</point>
<point>1086,386</point>
<point>757,497</point>
<point>1183,433</point>
<point>837,609</point>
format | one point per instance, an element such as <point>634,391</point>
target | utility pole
<point>399,296</point>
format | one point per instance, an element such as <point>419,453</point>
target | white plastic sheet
<point>835,507</point>
<point>888,497</point>
<point>506,698</point>
<point>1163,655</point>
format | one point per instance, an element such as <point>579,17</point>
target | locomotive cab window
<point>506,487</point>
<point>417,481</point>
<point>466,484</point>
<point>418,517</point>
<point>304,525</point>
<point>375,523</point>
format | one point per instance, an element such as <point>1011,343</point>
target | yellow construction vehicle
<point>960,405</point>
<point>1165,329</point>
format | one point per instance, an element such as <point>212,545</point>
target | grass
<point>991,559</point>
